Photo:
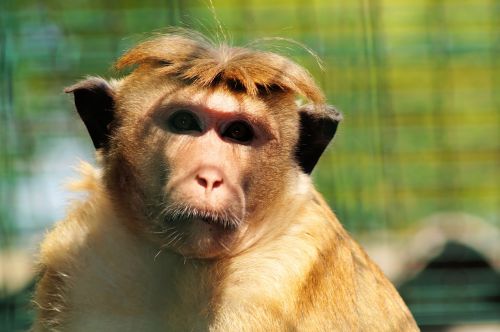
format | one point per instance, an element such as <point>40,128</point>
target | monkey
<point>201,214</point>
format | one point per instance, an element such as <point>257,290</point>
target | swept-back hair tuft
<point>191,57</point>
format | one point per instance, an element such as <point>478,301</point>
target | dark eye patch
<point>182,121</point>
<point>239,131</point>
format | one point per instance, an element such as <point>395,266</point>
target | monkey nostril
<point>209,181</point>
<point>217,183</point>
<point>201,181</point>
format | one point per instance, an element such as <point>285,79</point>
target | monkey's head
<point>199,141</point>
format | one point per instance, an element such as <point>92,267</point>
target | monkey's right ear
<point>317,128</point>
<point>94,101</point>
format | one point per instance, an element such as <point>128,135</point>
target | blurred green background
<point>413,172</point>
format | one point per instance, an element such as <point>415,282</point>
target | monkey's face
<point>199,142</point>
<point>197,165</point>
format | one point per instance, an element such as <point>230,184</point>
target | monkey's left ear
<point>317,128</point>
<point>94,101</point>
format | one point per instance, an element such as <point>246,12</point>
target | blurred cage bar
<point>417,81</point>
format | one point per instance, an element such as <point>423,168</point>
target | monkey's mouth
<point>225,220</point>
<point>217,221</point>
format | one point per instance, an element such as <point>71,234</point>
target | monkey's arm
<point>50,300</point>
<point>346,288</point>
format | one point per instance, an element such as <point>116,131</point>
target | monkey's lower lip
<point>224,224</point>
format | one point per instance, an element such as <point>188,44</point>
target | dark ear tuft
<point>94,101</point>
<point>317,128</point>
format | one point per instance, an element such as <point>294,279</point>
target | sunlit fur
<point>192,58</point>
<point>305,274</point>
<point>145,250</point>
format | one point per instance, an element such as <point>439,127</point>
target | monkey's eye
<point>183,121</point>
<point>239,131</point>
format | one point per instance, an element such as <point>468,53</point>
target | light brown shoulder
<point>345,291</point>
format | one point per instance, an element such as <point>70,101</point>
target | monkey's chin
<point>205,238</point>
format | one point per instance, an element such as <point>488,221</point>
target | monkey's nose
<point>209,178</point>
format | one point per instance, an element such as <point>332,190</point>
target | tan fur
<point>192,58</point>
<point>116,264</point>
<point>310,276</point>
